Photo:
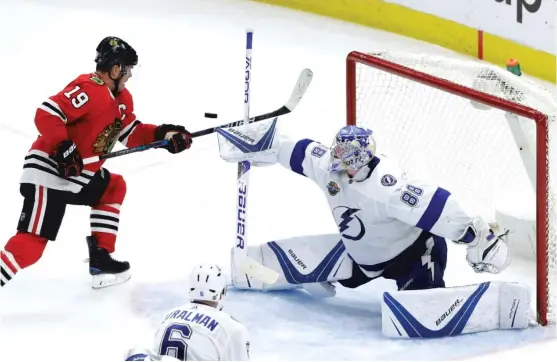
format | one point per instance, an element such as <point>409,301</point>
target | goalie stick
<point>303,82</point>
<point>240,254</point>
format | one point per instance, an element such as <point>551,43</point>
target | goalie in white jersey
<point>390,224</point>
<point>200,330</point>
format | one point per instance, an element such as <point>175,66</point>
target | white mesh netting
<point>485,156</point>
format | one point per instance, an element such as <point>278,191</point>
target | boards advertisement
<point>528,22</point>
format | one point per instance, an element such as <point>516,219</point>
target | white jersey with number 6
<point>199,332</point>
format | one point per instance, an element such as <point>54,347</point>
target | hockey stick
<point>127,151</point>
<point>240,256</point>
<point>300,88</point>
<point>302,84</point>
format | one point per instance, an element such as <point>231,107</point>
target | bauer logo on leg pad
<point>292,265</point>
<point>443,315</point>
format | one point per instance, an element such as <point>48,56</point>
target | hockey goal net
<point>477,130</point>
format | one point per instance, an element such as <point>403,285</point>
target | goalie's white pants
<point>323,258</point>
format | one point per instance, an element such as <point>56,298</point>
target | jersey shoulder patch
<point>86,83</point>
<point>96,79</point>
<point>88,80</point>
<point>388,180</point>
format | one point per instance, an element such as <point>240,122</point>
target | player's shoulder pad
<point>89,80</point>
<point>317,156</point>
<point>93,85</point>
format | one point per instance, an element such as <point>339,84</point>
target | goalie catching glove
<point>486,252</point>
<point>256,142</point>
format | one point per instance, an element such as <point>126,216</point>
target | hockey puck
<point>211,115</point>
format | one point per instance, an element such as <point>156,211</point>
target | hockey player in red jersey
<point>85,119</point>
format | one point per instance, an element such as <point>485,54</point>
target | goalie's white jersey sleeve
<point>382,215</point>
<point>200,333</point>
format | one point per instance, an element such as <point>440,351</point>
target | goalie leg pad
<point>452,311</point>
<point>299,261</point>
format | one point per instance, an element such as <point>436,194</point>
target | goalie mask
<point>352,149</point>
<point>207,283</point>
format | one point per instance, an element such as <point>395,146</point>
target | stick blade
<point>304,80</point>
<point>258,271</point>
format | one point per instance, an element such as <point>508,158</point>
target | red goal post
<point>455,93</point>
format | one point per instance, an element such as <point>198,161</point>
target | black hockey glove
<point>68,158</point>
<point>179,139</point>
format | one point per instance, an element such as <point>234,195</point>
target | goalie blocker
<point>313,262</point>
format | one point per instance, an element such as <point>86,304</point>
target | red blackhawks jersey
<point>87,113</point>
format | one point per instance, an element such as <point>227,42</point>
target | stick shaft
<point>242,181</point>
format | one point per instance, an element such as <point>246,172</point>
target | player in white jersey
<point>391,225</point>
<point>199,330</point>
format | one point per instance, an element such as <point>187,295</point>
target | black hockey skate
<point>105,270</point>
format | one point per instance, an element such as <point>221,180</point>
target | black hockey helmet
<point>113,51</point>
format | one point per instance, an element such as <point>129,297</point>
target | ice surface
<point>179,209</point>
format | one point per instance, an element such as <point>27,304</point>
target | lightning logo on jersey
<point>426,258</point>
<point>349,221</point>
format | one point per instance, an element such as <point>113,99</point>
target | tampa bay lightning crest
<point>349,224</point>
<point>388,180</point>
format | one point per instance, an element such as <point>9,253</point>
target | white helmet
<point>207,283</point>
